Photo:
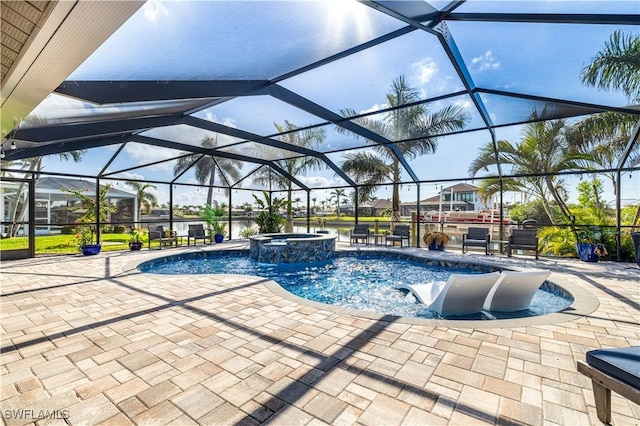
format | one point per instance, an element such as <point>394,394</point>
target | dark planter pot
<point>635,236</point>
<point>90,249</point>
<point>586,252</point>
<point>135,246</point>
<point>435,246</point>
<point>218,238</point>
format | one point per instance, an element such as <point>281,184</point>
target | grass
<point>65,243</point>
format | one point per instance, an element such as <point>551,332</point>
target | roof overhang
<point>66,34</point>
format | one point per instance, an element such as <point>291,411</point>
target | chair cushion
<point>480,243</point>
<point>621,363</point>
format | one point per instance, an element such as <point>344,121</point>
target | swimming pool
<point>363,281</point>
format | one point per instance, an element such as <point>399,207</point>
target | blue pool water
<point>358,281</point>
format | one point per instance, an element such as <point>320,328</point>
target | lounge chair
<point>617,370</point>
<point>400,233</point>
<point>197,232</point>
<point>476,237</point>
<point>461,294</point>
<point>514,290</point>
<point>524,239</point>
<point>361,232</point>
<point>158,234</point>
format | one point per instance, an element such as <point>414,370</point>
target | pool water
<point>363,282</point>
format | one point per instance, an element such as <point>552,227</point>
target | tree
<point>298,200</point>
<point>539,157</point>
<point>207,167</point>
<point>307,138</point>
<point>617,67</point>
<point>590,198</point>
<point>415,131</point>
<point>337,195</point>
<point>269,220</point>
<point>603,138</point>
<point>145,198</point>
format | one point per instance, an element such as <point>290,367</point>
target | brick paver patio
<point>88,340</point>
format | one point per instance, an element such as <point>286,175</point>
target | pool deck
<point>90,340</point>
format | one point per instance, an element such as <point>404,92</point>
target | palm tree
<point>314,199</point>
<point>414,128</point>
<point>308,138</point>
<point>337,195</point>
<point>617,66</point>
<point>543,150</point>
<point>604,137</point>
<point>298,200</point>
<point>209,166</point>
<point>145,198</point>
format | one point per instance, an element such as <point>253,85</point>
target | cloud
<point>229,122</point>
<point>318,181</point>
<point>425,70</point>
<point>154,10</point>
<point>143,154</point>
<point>485,62</point>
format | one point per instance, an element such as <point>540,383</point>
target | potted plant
<point>213,218</point>
<point>589,246</point>
<point>84,241</point>
<point>269,219</point>
<point>135,238</point>
<point>435,240</point>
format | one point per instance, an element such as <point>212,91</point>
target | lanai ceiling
<point>169,74</point>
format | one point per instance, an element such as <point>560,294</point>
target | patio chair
<point>476,237</point>
<point>197,232</point>
<point>616,369</point>
<point>461,294</point>
<point>523,239</point>
<point>158,234</point>
<point>400,233</point>
<point>361,232</point>
<point>514,290</point>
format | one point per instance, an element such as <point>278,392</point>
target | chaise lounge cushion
<point>621,363</point>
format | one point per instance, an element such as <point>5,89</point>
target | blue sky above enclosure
<point>278,40</point>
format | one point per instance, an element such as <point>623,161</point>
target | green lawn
<point>65,243</point>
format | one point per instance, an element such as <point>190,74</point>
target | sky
<point>261,40</point>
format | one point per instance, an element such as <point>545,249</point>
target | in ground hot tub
<point>292,248</point>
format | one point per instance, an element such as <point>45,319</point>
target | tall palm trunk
<point>212,179</point>
<point>552,190</point>
<point>545,204</point>
<point>288,225</point>
<point>395,199</point>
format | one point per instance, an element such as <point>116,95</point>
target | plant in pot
<point>589,246</point>
<point>135,238</point>
<point>84,233</point>
<point>84,241</point>
<point>435,240</point>
<point>213,217</point>
<point>269,220</point>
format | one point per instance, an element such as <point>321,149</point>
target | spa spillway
<point>292,248</point>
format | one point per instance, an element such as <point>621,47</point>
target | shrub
<point>119,229</point>
<point>247,232</point>
<point>68,230</point>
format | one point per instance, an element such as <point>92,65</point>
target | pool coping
<point>584,302</point>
